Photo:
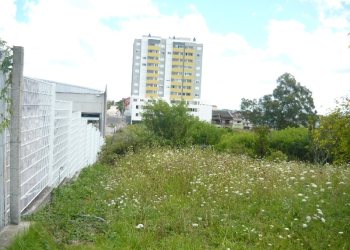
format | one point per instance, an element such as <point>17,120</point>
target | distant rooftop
<point>172,37</point>
<point>69,88</point>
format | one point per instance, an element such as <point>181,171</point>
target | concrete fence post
<point>3,193</point>
<point>15,135</point>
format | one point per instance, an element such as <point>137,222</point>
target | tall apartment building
<point>168,69</point>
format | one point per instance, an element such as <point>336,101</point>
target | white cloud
<point>67,41</point>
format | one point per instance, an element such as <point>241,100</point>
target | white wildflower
<point>139,226</point>
<point>195,225</point>
<point>323,220</point>
<point>304,225</point>
<point>313,185</point>
<point>319,211</point>
<point>308,218</point>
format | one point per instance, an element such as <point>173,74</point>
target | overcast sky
<point>247,44</point>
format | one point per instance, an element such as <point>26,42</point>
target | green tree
<point>121,106</point>
<point>290,105</point>
<point>331,140</point>
<point>109,104</point>
<point>262,141</point>
<point>170,122</point>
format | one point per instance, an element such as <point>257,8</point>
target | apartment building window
<point>192,109</point>
<point>151,85</point>
<point>153,51</point>
<point>151,92</point>
<point>152,71</point>
<point>178,53</point>
<point>153,64</point>
<point>150,78</point>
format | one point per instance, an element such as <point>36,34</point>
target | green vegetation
<point>6,65</point>
<point>174,182</point>
<point>172,125</point>
<point>290,105</point>
<point>332,140</point>
<point>192,198</point>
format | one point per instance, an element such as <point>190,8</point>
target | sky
<point>247,44</point>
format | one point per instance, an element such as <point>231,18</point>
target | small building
<point>229,119</point>
<point>91,103</point>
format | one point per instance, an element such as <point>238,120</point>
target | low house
<point>229,119</point>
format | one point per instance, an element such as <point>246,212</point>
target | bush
<point>132,137</point>
<point>203,133</point>
<point>169,122</point>
<point>261,145</point>
<point>237,142</point>
<point>294,142</point>
<point>277,156</point>
<point>332,139</point>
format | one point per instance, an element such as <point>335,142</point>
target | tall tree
<point>121,106</point>
<point>290,105</point>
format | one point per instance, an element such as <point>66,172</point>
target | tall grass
<point>165,198</point>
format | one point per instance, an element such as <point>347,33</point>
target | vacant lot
<point>197,199</point>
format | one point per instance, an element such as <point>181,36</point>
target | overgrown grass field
<point>163,198</point>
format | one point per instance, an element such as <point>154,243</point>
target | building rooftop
<point>69,88</point>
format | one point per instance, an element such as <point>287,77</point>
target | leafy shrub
<point>237,142</point>
<point>132,137</point>
<point>331,141</point>
<point>294,142</point>
<point>277,156</point>
<point>169,122</point>
<point>203,133</point>
<point>261,145</point>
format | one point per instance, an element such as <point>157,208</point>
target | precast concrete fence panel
<point>46,143</point>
